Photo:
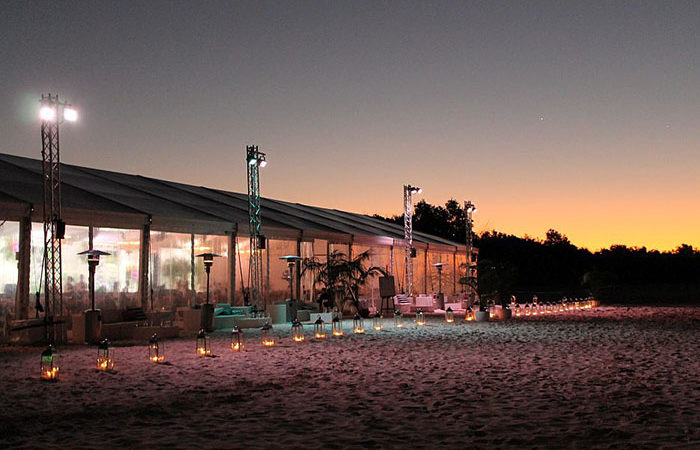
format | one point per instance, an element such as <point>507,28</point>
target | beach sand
<point>611,377</point>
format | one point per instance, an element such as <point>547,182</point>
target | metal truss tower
<point>408,192</point>
<point>254,161</point>
<point>469,210</point>
<point>54,227</point>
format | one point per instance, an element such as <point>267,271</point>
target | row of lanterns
<point>156,351</point>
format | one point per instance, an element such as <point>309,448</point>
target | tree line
<point>554,267</point>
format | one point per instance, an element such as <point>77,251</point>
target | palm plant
<point>341,276</point>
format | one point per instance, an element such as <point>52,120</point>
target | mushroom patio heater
<point>203,345</point>
<point>297,331</point>
<point>358,325</point>
<point>469,314</point>
<point>291,305</point>
<point>93,324</point>
<point>449,315</point>
<point>236,339</point>
<point>337,327</point>
<point>49,364</point>
<point>208,308</point>
<point>440,295</point>
<point>268,335</point>
<point>319,328</point>
<point>105,356</point>
<point>420,318</point>
<point>377,322</point>
<point>156,350</point>
<point>398,319</point>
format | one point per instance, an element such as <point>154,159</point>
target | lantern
<point>337,327</point>
<point>377,322</point>
<point>357,325</point>
<point>203,347</point>
<point>527,309</point>
<point>469,315</point>
<point>297,331</point>
<point>449,315</point>
<point>492,311</point>
<point>319,328</point>
<point>420,318</point>
<point>268,336</point>
<point>49,364</point>
<point>516,310</point>
<point>236,339</point>
<point>156,351</point>
<point>105,356</point>
<point>398,319</point>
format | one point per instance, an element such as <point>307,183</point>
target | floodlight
<point>263,163</point>
<point>47,113</point>
<point>70,114</point>
<point>253,161</point>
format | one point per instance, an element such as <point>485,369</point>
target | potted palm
<point>342,277</point>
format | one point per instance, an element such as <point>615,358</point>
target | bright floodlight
<point>419,191</point>
<point>70,114</point>
<point>252,161</point>
<point>263,163</point>
<point>47,113</point>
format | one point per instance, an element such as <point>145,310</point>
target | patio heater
<point>207,321</point>
<point>291,306</point>
<point>410,253</point>
<point>440,295</point>
<point>93,320</point>
<point>52,113</point>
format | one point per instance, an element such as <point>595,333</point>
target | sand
<point>612,377</point>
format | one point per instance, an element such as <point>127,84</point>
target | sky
<point>578,116</point>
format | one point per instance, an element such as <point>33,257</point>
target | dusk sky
<point>578,116</point>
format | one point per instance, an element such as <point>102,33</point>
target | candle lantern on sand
<point>105,356</point>
<point>377,322</point>
<point>420,318</point>
<point>469,314</point>
<point>297,331</point>
<point>236,339</point>
<point>337,327</point>
<point>398,319</point>
<point>156,350</point>
<point>203,347</point>
<point>357,324</point>
<point>319,328</point>
<point>449,315</point>
<point>49,364</point>
<point>268,336</point>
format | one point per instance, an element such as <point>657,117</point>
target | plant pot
<point>481,316</point>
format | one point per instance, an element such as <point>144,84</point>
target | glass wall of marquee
<point>170,268</point>
<point>9,246</point>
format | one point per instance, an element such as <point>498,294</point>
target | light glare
<point>47,113</point>
<point>70,114</point>
<point>263,163</point>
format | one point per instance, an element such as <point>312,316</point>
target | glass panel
<point>307,279</point>
<point>279,271</point>
<point>9,246</point>
<point>242,263</point>
<point>117,275</point>
<point>218,276</point>
<point>419,279</point>
<point>76,297</point>
<point>170,266</point>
